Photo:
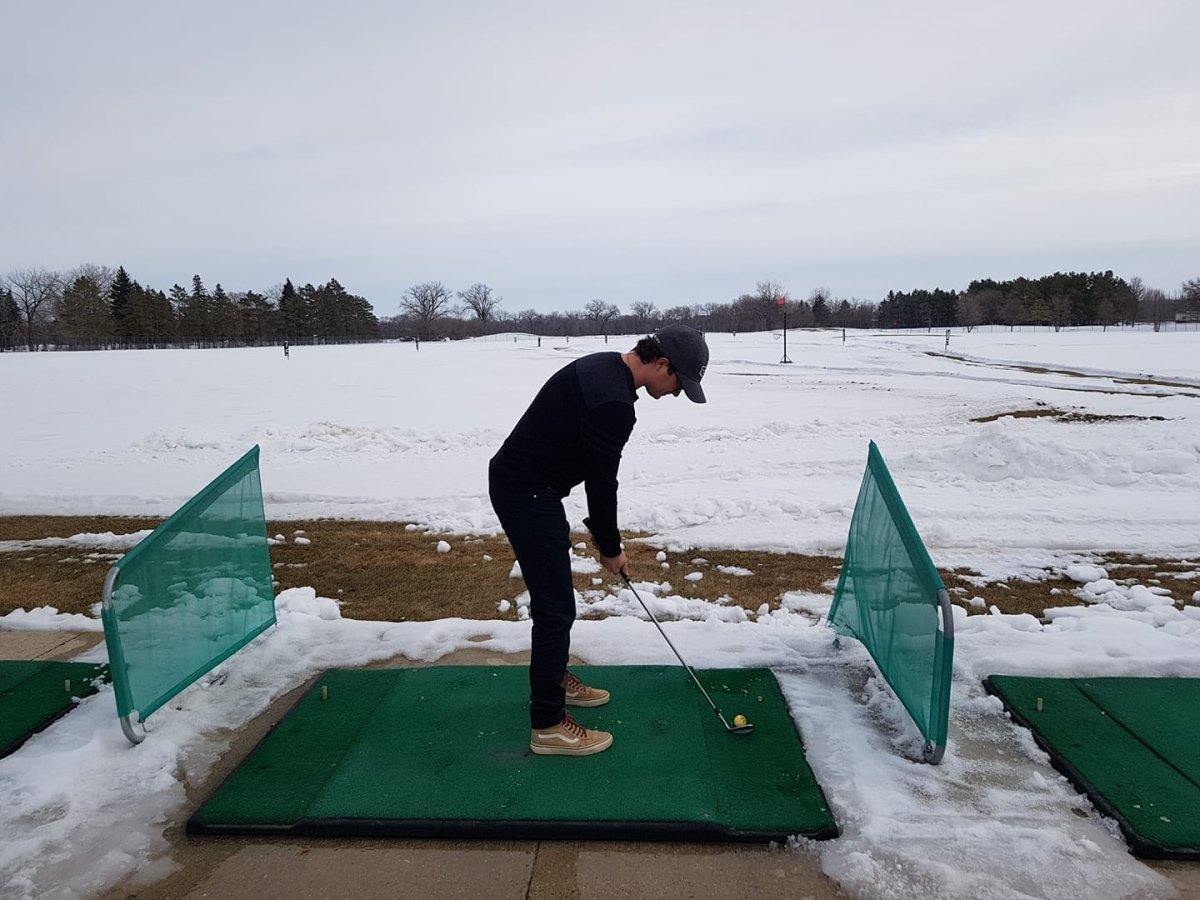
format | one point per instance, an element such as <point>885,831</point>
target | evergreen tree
<point>362,317</point>
<point>179,299</point>
<point>1114,298</point>
<point>162,317</point>
<point>85,317</point>
<point>306,311</point>
<point>328,312</point>
<point>258,317</point>
<point>290,314</point>
<point>150,318</point>
<point>226,318</point>
<point>337,314</point>
<point>195,319</point>
<point>843,314</point>
<point>10,320</point>
<point>820,308</point>
<point>118,294</point>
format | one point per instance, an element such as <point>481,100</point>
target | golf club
<point>732,729</point>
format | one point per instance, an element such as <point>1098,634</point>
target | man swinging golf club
<point>574,431</point>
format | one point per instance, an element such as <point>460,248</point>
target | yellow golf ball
<point>739,720</point>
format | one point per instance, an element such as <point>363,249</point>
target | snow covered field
<point>773,461</point>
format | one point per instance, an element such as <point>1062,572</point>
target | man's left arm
<point>605,430</point>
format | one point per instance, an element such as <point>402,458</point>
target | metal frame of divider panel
<point>189,595</point>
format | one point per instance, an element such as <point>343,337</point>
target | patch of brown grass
<point>1012,596</point>
<point>67,578</point>
<point>1128,568</point>
<point>1034,597</point>
<point>1061,416</point>
<point>29,528</point>
<point>1020,414</point>
<point>382,571</point>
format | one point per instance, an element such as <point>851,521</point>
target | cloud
<point>680,145</point>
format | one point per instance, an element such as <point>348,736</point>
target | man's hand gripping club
<point>617,565</point>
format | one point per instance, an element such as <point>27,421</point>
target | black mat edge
<point>17,743</point>
<point>491,829</point>
<point>194,824</point>
<point>696,832</point>
<point>1140,846</point>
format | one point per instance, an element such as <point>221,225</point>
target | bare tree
<point>101,276</point>
<point>1153,304</point>
<point>769,291</point>
<point>1106,312</point>
<point>1137,287</point>
<point>644,313</point>
<point>36,291</point>
<point>601,312</point>
<point>1013,311</point>
<point>426,303</point>
<point>1189,293</point>
<point>528,319</point>
<point>763,304</point>
<point>969,308</point>
<point>480,300</point>
<point>679,314</point>
<point>1060,311</point>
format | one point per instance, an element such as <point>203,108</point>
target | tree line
<point>1058,300</point>
<point>428,312</point>
<point>94,307</point>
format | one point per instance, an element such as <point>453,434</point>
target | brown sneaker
<point>579,694</point>
<point>568,738</point>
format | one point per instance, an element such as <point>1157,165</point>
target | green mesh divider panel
<point>891,598</point>
<point>192,593</point>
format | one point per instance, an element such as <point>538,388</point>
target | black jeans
<point>537,528</point>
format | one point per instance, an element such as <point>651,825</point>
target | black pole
<point>785,356</point>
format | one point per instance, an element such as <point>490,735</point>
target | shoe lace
<point>574,727</point>
<point>571,682</point>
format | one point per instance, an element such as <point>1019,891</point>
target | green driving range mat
<point>33,693</point>
<point>1131,744</point>
<point>443,751</point>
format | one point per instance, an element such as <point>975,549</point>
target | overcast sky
<point>558,151</point>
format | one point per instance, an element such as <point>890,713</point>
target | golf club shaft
<point>671,645</point>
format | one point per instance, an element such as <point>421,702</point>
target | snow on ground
<point>772,461</point>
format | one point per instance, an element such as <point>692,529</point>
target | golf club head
<point>735,729</point>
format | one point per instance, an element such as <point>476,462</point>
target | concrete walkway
<point>365,869</point>
<point>56,645</point>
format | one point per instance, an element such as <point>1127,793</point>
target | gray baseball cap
<point>688,353</point>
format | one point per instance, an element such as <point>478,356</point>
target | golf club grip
<point>587,523</point>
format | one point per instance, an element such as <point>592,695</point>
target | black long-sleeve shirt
<point>574,431</point>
